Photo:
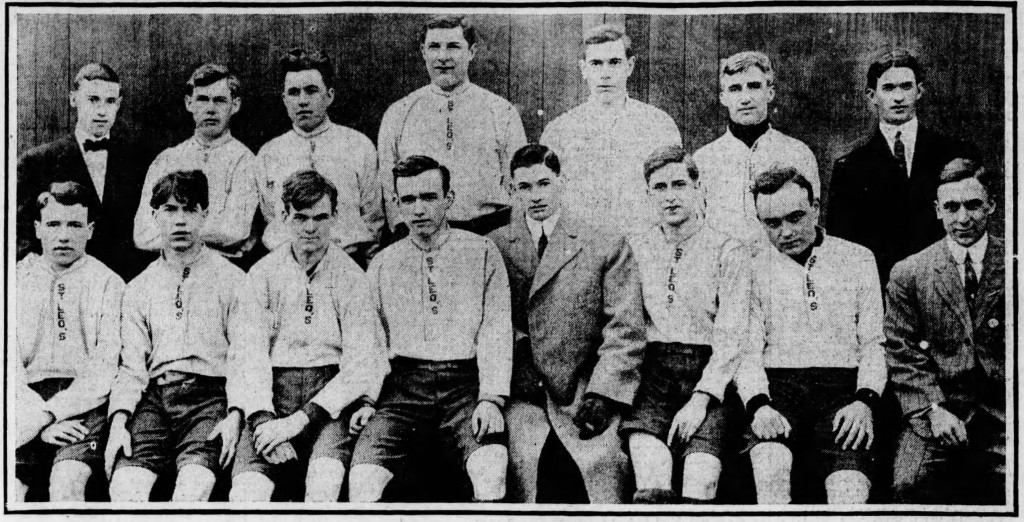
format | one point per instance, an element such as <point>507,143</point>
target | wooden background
<point>531,60</point>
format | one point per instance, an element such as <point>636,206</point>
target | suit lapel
<point>948,285</point>
<point>110,181</point>
<point>991,288</point>
<point>522,252</point>
<point>564,246</point>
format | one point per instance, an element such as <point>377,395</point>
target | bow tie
<point>94,145</point>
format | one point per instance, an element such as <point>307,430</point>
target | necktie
<point>970,282</point>
<point>900,152</point>
<point>95,145</point>
<point>542,244</point>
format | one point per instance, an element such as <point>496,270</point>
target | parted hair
<point>535,154</point>
<point>449,22</point>
<point>891,59</point>
<point>95,71</point>
<point>773,179</point>
<point>188,187</point>
<point>68,193</point>
<point>297,60</point>
<point>963,168</point>
<point>415,165</point>
<point>304,188</point>
<point>211,73</point>
<point>667,155</point>
<point>608,33</point>
<point>742,61</point>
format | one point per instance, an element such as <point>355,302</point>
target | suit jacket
<point>62,160</point>
<point>963,363</point>
<point>873,203</point>
<point>581,308</point>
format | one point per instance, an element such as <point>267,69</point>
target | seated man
<point>69,335</point>
<point>325,359</point>
<point>696,288</point>
<point>442,297</point>
<point>191,363</point>
<point>947,351</point>
<point>815,365</point>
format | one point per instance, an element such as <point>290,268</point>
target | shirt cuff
<point>756,402</point>
<point>258,418</point>
<point>317,415</point>
<point>496,399</point>
<point>867,396</point>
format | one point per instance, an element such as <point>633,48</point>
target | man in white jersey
<point>442,299</point>
<point>213,99</point>
<point>603,142</point>
<point>68,338</point>
<point>696,288</point>
<point>192,364</point>
<point>327,366</point>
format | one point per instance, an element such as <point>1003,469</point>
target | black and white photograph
<point>494,259</point>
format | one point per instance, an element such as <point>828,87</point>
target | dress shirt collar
<point>452,93</point>
<point>908,133</point>
<point>548,225</point>
<point>208,145</point>
<point>81,136</point>
<point>977,250</point>
<point>322,128</point>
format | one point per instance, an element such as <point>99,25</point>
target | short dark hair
<point>211,73</point>
<point>773,179</point>
<point>189,187</point>
<point>535,154</point>
<point>607,33</point>
<point>95,71</point>
<point>666,155</point>
<point>891,59</point>
<point>963,168</point>
<point>297,60</point>
<point>449,22</point>
<point>304,188</point>
<point>68,193</point>
<point>416,165</point>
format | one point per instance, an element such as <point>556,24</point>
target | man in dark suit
<point>110,167</point>
<point>947,352</point>
<point>577,314</point>
<point>882,192</point>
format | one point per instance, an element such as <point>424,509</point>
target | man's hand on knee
<point>487,420</point>
<point>118,441</point>
<point>769,424</point>
<point>228,431</point>
<point>360,418</point>
<point>689,418</point>
<point>282,453</point>
<point>853,425</point>
<point>64,432</point>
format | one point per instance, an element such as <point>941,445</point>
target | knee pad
<point>251,487</point>
<point>323,480</point>
<point>366,482</point>
<point>68,479</point>
<point>847,487</point>
<point>194,484</point>
<point>131,484</point>
<point>486,468</point>
<point>700,476</point>
<point>773,465</point>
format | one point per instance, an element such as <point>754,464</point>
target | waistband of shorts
<point>700,350</point>
<point>176,378</point>
<point>825,375</point>
<point>406,364</point>
<point>329,370</point>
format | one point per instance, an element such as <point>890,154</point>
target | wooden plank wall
<point>530,59</point>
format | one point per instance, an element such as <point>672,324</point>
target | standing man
<point>340,154</point>
<point>465,127</point>
<point>603,142</point>
<point>323,350</point>
<point>442,299</point>
<point>883,192</point>
<point>749,146</point>
<point>192,363</point>
<point>213,99</point>
<point>815,367</point>
<point>69,336</point>
<point>110,167</point>
<point>696,288</point>
<point>947,351</point>
<point>579,329</point>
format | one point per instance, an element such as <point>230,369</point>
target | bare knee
<point>324,479</point>
<point>67,481</point>
<point>131,484</point>
<point>700,476</point>
<point>251,486</point>
<point>487,468</point>
<point>366,482</point>
<point>194,484</point>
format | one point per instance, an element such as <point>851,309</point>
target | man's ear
<point>90,227</point>
<point>236,105</point>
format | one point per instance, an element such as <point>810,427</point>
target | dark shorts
<point>172,421</point>
<point>37,456</point>
<point>810,398</point>
<point>293,389</point>
<point>667,378</point>
<point>418,398</point>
